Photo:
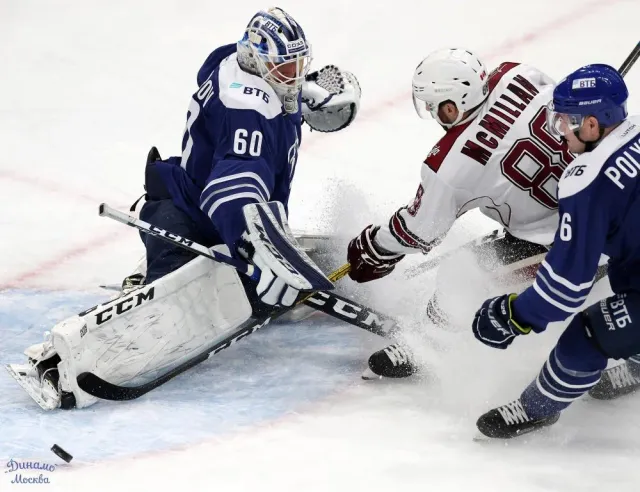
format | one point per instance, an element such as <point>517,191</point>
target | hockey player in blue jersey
<point>241,141</point>
<point>229,190</point>
<point>599,206</point>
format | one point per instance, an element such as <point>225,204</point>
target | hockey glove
<point>285,268</point>
<point>330,99</point>
<point>271,289</point>
<point>368,261</point>
<point>494,325</point>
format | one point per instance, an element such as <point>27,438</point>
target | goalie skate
<point>42,389</point>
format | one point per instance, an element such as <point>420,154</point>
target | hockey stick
<point>435,262</point>
<point>353,313</point>
<point>98,387</point>
<point>328,302</point>
<point>631,59</point>
<point>249,270</point>
<point>336,306</point>
<point>199,249</point>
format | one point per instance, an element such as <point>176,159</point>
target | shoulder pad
<point>241,90</point>
<point>586,168</point>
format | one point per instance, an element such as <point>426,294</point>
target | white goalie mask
<point>275,48</point>
<point>452,74</point>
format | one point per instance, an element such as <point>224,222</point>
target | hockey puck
<point>62,453</point>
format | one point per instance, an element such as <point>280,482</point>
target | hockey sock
<point>573,367</point>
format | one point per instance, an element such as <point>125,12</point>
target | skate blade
<point>369,375</point>
<point>481,438</point>
<point>115,287</point>
<point>32,386</point>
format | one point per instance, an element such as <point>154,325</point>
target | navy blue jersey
<point>239,147</point>
<point>599,207</point>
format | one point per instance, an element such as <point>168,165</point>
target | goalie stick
<point>353,313</point>
<point>328,302</point>
<point>334,305</point>
<point>243,267</point>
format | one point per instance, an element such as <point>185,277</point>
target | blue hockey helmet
<point>275,48</point>
<point>594,90</point>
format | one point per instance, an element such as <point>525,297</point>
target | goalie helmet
<point>275,48</point>
<point>455,75</point>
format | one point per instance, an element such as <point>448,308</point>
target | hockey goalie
<point>229,190</point>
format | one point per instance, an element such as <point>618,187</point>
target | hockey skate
<point>618,381</point>
<point>394,361</point>
<point>39,379</point>
<point>511,420</point>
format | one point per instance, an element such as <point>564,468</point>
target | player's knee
<point>154,185</point>
<point>614,324</point>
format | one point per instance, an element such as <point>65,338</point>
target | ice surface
<point>88,87</point>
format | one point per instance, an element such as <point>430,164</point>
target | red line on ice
<point>79,251</point>
<point>23,279</point>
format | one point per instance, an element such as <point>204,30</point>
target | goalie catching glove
<point>330,99</point>
<point>285,268</point>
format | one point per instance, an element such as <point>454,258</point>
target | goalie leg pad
<point>151,330</point>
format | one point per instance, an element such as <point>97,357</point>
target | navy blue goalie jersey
<point>599,210</point>
<point>239,147</point>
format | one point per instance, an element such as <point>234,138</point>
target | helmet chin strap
<point>589,146</point>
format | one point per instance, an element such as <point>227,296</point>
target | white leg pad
<point>151,329</point>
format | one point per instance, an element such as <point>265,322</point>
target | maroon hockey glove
<point>368,261</point>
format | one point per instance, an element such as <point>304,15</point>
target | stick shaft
<point>245,268</point>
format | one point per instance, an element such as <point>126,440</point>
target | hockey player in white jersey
<point>497,155</point>
<point>599,209</point>
<point>228,190</point>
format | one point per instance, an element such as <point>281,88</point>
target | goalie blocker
<point>156,327</point>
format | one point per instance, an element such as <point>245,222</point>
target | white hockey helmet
<point>452,74</point>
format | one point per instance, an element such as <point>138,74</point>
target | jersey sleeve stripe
<point>401,233</point>
<point>564,281</point>
<point>553,302</point>
<point>558,293</point>
<point>229,198</point>
<point>246,186</point>
<point>251,175</point>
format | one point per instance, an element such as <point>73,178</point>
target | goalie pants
<point>609,329</point>
<point>164,257</point>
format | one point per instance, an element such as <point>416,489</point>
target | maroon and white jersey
<point>502,161</point>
